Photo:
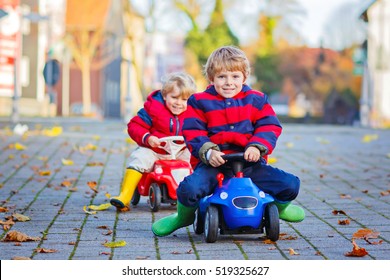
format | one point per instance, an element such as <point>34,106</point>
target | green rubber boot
<point>289,212</point>
<point>185,216</point>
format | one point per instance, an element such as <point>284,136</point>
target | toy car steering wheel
<point>173,145</point>
<point>237,161</point>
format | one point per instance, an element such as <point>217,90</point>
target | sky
<point>242,19</point>
<point>318,12</point>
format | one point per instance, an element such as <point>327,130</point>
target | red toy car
<point>161,183</point>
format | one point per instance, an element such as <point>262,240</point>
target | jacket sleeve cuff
<point>203,151</point>
<point>263,149</point>
<point>145,138</point>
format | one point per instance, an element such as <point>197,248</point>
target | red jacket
<point>154,119</point>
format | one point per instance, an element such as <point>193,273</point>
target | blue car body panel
<point>241,203</point>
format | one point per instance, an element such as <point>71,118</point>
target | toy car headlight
<point>158,169</point>
<point>245,202</point>
<point>179,174</point>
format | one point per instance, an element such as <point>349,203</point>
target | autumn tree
<point>84,33</point>
<point>276,29</point>
<point>200,43</point>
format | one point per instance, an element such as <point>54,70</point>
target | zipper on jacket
<point>177,125</point>
<point>170,125</point>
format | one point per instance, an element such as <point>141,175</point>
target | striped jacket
<point>229,124</point>
<point>154,119</point>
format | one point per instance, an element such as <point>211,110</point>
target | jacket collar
<point>211,89</point>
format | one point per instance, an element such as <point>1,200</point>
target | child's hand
<point>154,142</point>
<point>216,159</point>
<point>252,154</point>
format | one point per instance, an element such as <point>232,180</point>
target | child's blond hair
<point>183,81</point>
<point>226,58</point>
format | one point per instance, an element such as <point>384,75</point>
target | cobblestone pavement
<point>345,175</point>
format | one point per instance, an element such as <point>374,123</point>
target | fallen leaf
<point>369,137</point>
<point>92,185</point>
<point>272,160</point>
<point>66,183</point>
<point>285,236</point>
<point>43,250</point>
<point>142,257</point>
<point>100,207</point>
<point>345,196</point>
<point>19,146</point>
<point>94,163</point>
<point>42,158</point>
<point>356,251</point>
<point>335,212</point>
<point>105,253</point>
<point>7,224</point>
<point>343,222</point>
<point>292,252</point>
<point>385,193</point>
<point>96,137</point>
<point>3,209</point>
<point>44,172</point>
<point>90,146</point>
<point>103,227</point>
<point>14,235</point>
<point>289,144</point>
<point>67,161</point>
<point>115,244</point>
<point>124,209</point>
<point>365,233</point>
<point>52,132</point>
<point>20,218</point>
<point>88,212</point>
<point>18,258</point>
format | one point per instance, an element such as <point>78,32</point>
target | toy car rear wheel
<point>198,223</point>
<point>154,197</point>
<point>211,224</point>
<point>136,197</point>
<point>272,225</point>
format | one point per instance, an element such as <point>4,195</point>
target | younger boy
<point>161,116</point>
<point>230,117</point>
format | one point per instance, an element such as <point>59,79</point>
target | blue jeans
<point>281,185</point>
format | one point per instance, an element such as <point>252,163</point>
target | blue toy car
<point>237,206</point>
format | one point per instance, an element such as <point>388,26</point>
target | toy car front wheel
<point>198,223</point>
<point>154,197</point>
<point>136,197</point>
<point>211,224</point>
<point>272,222</point>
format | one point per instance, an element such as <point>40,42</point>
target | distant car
<point>237,206</point>
<point>161,183</point>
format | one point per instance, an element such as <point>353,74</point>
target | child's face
<point>175,102</point>
<point>228,83</point>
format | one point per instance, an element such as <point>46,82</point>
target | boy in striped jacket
<point>230,117</point>
<point>161,116</point>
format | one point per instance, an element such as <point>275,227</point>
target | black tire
<point>154,197</point>
<point>211,224</point>
<point>272,225</point>
<point>198,224</point>
<point>136,197</point>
